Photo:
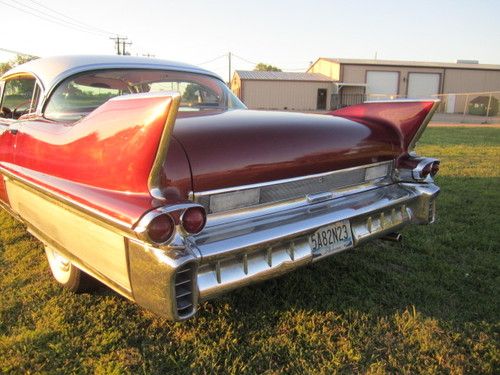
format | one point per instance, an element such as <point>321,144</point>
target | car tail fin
<point>408,118</point>
<point>135,132</point>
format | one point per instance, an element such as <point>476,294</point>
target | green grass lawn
<point>430,305</point>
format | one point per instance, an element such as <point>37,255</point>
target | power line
<point>50,18</point>
<point>59,19</point>
<point>242,58</point>
<point>212,60</point>
<point>70,18</point>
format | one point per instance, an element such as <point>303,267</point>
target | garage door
<point>423,85</point>
<point>382,83</point>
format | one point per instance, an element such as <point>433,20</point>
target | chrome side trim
<point>69,255</point>
<point>155,174</point>
<point>68,203</point>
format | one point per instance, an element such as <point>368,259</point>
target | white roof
<point>51,70</point>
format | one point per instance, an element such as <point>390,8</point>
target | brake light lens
<point>435,168</point>
<point>194,220</point>
<point>161,228</point>
<point>426,170</point>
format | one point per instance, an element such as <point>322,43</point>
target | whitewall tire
<point>67,274</point>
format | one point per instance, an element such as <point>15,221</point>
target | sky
<point>288,34</point>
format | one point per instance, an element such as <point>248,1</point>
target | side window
<point>20,97</point>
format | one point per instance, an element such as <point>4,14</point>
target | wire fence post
<point>465,108</point>
<point>488,109</point>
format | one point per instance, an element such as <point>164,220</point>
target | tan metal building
<point>333,83</point>
<point>409,79</point>
<point>282,90</point>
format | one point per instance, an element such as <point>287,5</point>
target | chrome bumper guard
<point>241,252</point>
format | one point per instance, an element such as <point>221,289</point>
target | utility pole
<point>124,52</point>
<point>229,60</point>
<point>117,44</point>
<point>120,43</point>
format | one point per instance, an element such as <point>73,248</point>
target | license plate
<point>331,238</point>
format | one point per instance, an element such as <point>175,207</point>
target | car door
<point>19,97</point>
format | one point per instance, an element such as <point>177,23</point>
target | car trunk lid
<point>243,147</point>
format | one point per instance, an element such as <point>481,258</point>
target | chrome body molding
<point>69,204</point>
<point>315,187</point>
<point>250,249</point>
<point>154,276</point>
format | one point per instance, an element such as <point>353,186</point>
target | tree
<point>261,67</point>
<point>18,60</point>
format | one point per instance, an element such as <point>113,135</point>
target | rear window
<point>81,94</point>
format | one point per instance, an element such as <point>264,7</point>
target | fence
<point>472,107</point>
<point>344,100</point>
<point>477,107</point>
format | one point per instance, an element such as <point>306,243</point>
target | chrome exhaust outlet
<point>394,237</point>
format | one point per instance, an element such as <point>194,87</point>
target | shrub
<point>479,106</point>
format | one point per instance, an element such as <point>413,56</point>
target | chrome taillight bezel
<point>413,168</point>
<point>176,212</point>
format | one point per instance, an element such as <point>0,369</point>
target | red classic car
<point>153,178</point>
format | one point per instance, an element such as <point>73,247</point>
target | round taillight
<point>435,168</point>
<point>194,219</point>
<point>161,228</point>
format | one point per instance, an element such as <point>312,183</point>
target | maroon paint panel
<point>404,117</point>
<point>242,147</point>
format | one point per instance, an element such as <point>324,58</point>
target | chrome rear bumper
<point>241,252</point>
